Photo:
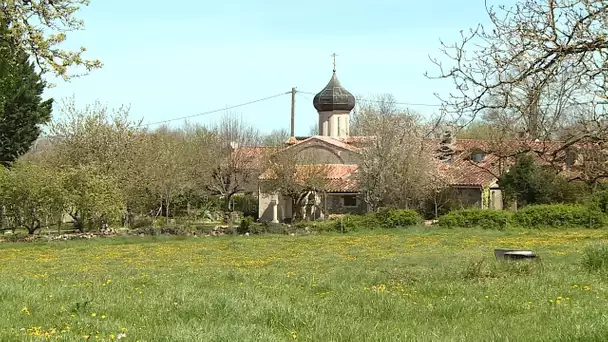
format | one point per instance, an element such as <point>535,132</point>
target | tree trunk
<point>167,209</point>
<point>103,224</point>
<point>130,217</point>
<point>78,221</point>
<point>2,210</point>
<point>31,229</point>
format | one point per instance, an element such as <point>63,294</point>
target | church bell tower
<point>334,104</point>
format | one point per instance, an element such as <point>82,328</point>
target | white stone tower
<point>334,104</point>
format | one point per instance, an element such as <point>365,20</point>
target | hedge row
<point>534,216</point>
<point>487,219</point>
<point>387,218</point>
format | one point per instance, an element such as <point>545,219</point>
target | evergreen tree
<point>22,110</point>
<point>530,183</point>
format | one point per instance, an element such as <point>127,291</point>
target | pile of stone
<point>220,230</point>
<point>88,236</point>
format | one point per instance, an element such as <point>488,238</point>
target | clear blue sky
<point>191,56</point>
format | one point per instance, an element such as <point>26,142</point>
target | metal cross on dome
<point>334,57</point>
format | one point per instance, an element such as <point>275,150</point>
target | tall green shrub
<point>350,223</point>
<point>398,218</point>
<point>472,218</point>
<point>530,183</point>
<point>559,216</point>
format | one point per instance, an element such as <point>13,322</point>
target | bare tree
<point>165,166</point>
<point>313,130</point>
<point>397,166</point>
<point>299,178</point>
<point>531,46</point>
<point>276,138</point>
<point>232,165</point>
<point>540,69</point>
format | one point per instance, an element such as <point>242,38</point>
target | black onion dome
<point>334,97</point>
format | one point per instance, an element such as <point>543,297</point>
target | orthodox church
<point>335,148</point>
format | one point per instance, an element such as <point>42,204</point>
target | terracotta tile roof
<point>343,185</point>
<point>340,176</point>
<point>253,156</point>
<point>339,171</point>
<point>461,171</point>
<point>507,147</point>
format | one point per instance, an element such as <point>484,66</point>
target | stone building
<point>334,147</point>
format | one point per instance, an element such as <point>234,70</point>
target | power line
<point>304,96</point>
<point>216,110</point>
<point>378,101</point>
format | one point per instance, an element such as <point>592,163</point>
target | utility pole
<point>293,112</point>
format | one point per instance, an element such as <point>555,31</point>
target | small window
<point>350,201</point>
<point>570,158</point>
<point>477,156</point>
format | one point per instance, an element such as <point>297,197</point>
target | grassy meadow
<point>404,285</point>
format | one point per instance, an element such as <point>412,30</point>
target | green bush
<point>173,230</point>
<point>595,257</point>
<point>316,226</point>
<point>470,218</point>
<point>323,226</point>
<point>151,231</point>
<point>398,218</point>
<point>271,228</point>
<point>559,216</point>
<point>16,237</point>
<point>142,222</point>
<point>350,223</point>
<point>245,225</point>
<point>247,204</point>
